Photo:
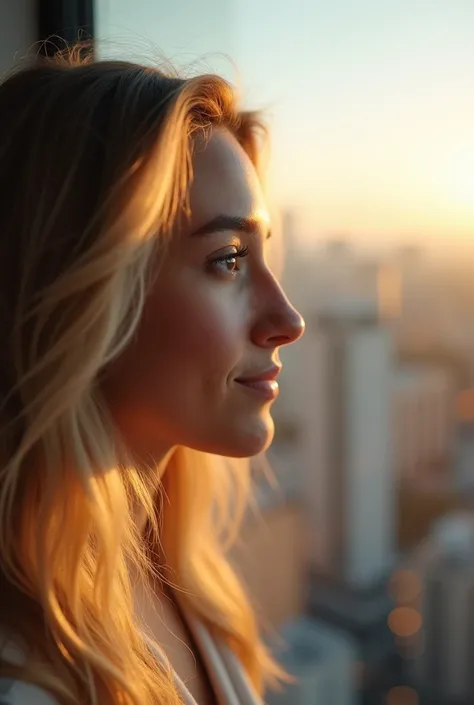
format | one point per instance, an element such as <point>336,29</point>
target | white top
<point>228,678</point>
<point>19,693</point>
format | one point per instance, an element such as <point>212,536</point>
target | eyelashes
<point>228,263</point>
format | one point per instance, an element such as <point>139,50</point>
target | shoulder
<point>13,692</point>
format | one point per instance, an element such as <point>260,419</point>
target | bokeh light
<point>402,695</point>
<point>404,621</point>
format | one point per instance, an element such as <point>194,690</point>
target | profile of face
<point>201,371</point>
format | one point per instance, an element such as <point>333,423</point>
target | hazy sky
<point>371,102</point>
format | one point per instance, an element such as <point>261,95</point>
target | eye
<point>229,263</point>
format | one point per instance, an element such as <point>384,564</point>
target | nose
<point>278,322</point>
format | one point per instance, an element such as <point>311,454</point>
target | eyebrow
<point>223,222</point>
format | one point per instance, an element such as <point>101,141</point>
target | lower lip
<point>267,389</point>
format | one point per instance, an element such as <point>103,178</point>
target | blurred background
<point>361,558</point>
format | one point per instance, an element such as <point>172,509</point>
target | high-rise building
<point>353,509</point>
<point>337,396</point>
<point>424,430</point>
<point>348,481</point>
<point>445,654</point>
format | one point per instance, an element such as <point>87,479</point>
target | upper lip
<point>267,375</point>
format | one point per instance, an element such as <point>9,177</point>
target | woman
<point>141,327</point>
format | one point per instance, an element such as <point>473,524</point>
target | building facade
<point>445,654</point>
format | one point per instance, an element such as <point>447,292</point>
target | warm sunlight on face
<point>201,371</point>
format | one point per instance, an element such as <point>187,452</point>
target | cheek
<point>194,335</point>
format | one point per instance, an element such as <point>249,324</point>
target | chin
<point>252,438</point>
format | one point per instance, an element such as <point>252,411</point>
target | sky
<point>370,102</point>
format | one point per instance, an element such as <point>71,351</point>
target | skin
<point>207,323</point>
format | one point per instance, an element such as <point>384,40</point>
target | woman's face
<point>202,369</point>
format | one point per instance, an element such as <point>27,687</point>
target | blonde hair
<point>95,164</point>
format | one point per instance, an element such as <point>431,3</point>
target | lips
<point>263,383</point>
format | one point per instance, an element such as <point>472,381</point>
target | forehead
<point>225,181</point>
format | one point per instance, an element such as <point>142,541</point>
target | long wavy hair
<point>95,165</point>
